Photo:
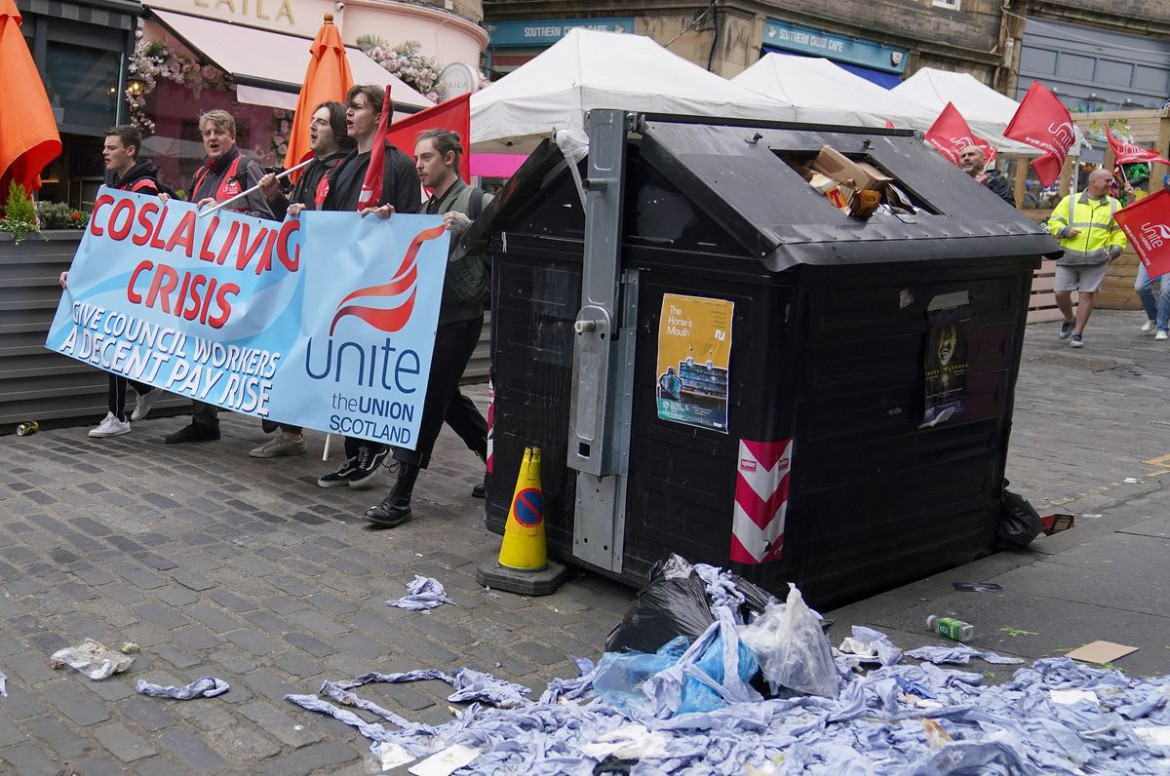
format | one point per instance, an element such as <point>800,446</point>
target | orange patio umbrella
<point>327,78</point>
<point>28,132</point>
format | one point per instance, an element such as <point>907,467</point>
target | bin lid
<point>741,175</point>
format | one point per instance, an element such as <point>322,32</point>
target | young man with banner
<point>1091,238</point>
<point>125,172</point>
<point>466,285</point>
<point>375,179</point>
<point>330,143</point>
<point>225,173</point>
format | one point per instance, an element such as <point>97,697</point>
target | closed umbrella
<point>327,78</point>
<point>28,132</point>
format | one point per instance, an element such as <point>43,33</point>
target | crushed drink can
<point>28,427</point>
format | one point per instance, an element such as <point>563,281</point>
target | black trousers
<point>117,394</point>
<point>445,403</point>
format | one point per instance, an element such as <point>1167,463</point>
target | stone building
<point>1097,55</point>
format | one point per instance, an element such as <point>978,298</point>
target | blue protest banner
<point>326,322</point>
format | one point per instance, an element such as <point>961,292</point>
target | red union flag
<point>949,134</point>
<point>1128,153</point>
<point>1147,225</point>
<point>453,115</point>
<point>372,184</point>
<point>1043,122</point>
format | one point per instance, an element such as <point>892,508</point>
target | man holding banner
<point>1091,238</point>
<point>374,179</point>
<point>225,174</point>
<point>465,289</point>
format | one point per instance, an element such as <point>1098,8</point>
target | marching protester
<point>1091,239</point>
<point>400,193</point>
<point>125,172</point>
<point>465,289</point>
<point>329,143</point>
<point>225,173</point>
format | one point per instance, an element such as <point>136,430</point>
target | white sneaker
<point>110,426</point>
<point>1161,335</point>
<point>1148,326</point>
<point>144,402</point>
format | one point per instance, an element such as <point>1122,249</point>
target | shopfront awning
<point>271,63</point>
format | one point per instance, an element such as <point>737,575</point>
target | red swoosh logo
<point>405,278</point>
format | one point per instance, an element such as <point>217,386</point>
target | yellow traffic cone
<point>524,547</point>
<point>523,566</point>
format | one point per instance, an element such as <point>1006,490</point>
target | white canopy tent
<point>588,69</point>
<point>824,93</point>
<point>987,111</point>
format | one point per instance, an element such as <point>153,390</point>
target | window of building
<point>949,4</point>
<point>82,84</point>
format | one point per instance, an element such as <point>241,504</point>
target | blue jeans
<point>1158,311</point>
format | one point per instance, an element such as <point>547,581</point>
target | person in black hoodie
<point>329,143</point>
<point>226,173</point>
<point>401,193</point>
<point>125,172</point>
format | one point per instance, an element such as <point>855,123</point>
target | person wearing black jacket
<point>401,193</point>
<point>329,143</point>
<point>973,161</point>
<point>125,172</point>
<point>226,173</point>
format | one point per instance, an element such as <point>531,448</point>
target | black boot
<point>395,508</point>
<point>480,490</point>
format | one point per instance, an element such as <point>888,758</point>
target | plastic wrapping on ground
<point>869,646</point>
<point>792,650</point>
<point>3,685</point>
<point>1055,717</point>
<point>91,658</point>
<point>203,687</point>
<point>960,654</point>
<point>422,593</point>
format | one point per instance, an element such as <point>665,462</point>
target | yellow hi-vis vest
<point>1098,230</point>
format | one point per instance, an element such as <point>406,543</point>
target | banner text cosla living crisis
<point>190,294</point>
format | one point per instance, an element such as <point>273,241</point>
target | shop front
<point>876,62</point>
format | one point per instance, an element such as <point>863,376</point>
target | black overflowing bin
<point>716,360</point>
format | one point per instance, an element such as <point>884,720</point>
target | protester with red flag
<point>376,178</point>
<point>1088,231</point>
<point>1147,225</point>
<point>1128,153</point>
<point>1043,122</point>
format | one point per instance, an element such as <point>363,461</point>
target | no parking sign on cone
<point>523,565</point>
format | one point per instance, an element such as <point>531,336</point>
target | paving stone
<point>212,618</point>
<point>76,704</point>
<point>310,644</point>
<point>255,642</point>
<point>280,725</point>
<point>539,652</point>
<point>10,734</point>
<point>192,581</point>
<point>191,751</point>
<point>122,743</point>
<point>306,760</point>
<point>29,760</point>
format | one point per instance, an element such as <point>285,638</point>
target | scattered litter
<point>1092,515</point>
<point>1056,523</point>
<point>3,685</point>
<point>130,648</point>
<point>977,587</point>
<point>1158,736</point>
<point>385,755</point>
<point>424,593</point>
<point>1072,697</point>
<point>936,735</point>
<point>960,654</point>
<point>1101,652</point>
<point>1017,632</point>
<point>869,646</point>
<point>203,687</point>
<point>446,762</point>
<point>630,742</point>
<point>92,659</point>
<point>1131,480</point>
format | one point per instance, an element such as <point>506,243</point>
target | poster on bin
<point>327,321</point>
<point>945,359</point>
<point>694,353</point>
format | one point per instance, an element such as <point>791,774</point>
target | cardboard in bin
<point>855,175</point>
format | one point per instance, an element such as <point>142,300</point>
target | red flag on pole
<point>454,115</point>
<point>949,134</point>
<point>1043,122</point>
<point>1128,153</point>
<point>1147,225</point>
<point>372,185</point>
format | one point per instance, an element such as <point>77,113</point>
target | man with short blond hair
<point>225,173</point>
